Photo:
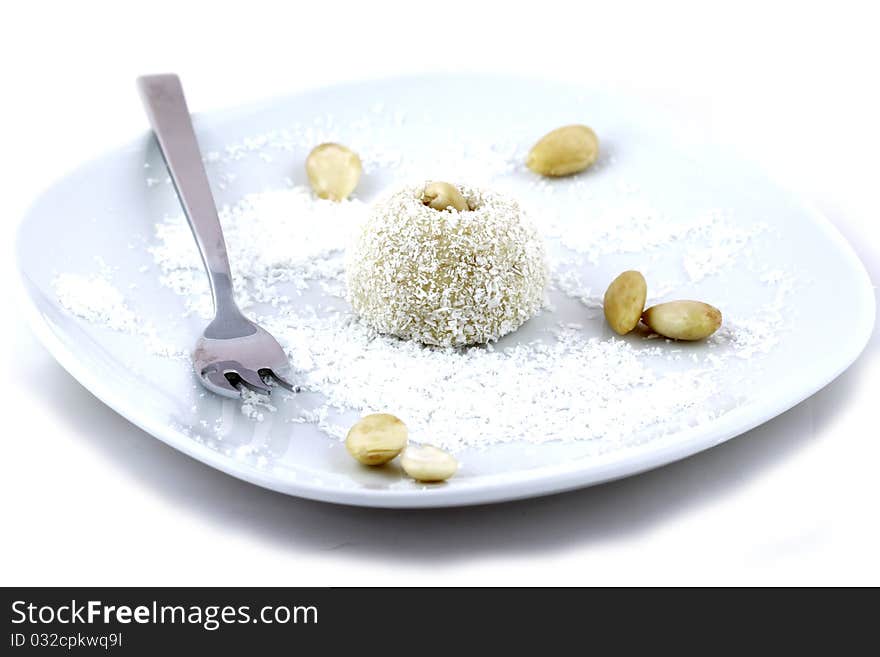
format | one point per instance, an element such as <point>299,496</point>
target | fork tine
<point>252,380</point>
<point>217,382</point>
<point>280,380</point>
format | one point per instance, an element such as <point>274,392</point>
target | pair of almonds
<point>333,171</point>
<point>624,306</point>
<point>378,438</point>
<point>564,151</point>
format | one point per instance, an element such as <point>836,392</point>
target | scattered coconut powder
<point>96,300</point>
<point>573,388</point>
<point>565,386</point>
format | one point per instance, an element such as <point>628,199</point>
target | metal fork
<point>233,352</point>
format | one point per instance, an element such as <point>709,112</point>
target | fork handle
<point>169,116</point>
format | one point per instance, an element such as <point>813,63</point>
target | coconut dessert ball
<point>446,277</point>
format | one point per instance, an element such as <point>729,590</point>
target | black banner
<point>147,620</point>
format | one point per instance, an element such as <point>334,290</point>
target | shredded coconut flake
<point>96,300</point>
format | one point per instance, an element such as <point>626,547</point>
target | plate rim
<point>544,480</point>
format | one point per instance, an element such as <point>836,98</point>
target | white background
<point>89,499</point>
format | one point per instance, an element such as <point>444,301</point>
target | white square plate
<point>102,218</point>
